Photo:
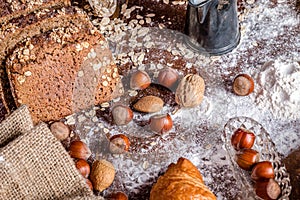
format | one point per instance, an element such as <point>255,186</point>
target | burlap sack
<point>14,125</point>
<point>36,166</point>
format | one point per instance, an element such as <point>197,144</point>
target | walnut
<point>190,91</point>
<point>102,174</point>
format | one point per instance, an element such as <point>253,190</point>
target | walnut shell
<point>190,91</point>
<point>102,174</point>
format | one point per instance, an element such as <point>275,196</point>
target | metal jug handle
<point>202,9</point>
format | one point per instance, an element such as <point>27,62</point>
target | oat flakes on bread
<point>62,70</point>
<point>11,8</point>
<point>17,29</point>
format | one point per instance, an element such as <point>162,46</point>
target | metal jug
<point>212,26</point>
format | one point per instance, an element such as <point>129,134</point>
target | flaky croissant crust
<point>182,181</point>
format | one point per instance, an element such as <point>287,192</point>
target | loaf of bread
<point>26,18</point>
<point>11,8</point>
<point>17,29</point>
<point>182,181</point>
<point>62,70</point>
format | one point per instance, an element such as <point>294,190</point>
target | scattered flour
<point>278,89</point>
<point>267,31</point>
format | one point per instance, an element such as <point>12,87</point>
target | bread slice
<point>17,29</point>
<point>14,8</point>
<point>35,23</point>
<point>61,71</point>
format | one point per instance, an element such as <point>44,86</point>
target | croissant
<point>182,181</point>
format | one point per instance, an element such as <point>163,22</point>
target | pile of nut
<point>99,174</point>
<point>262,172</point>
<point>189,92</point>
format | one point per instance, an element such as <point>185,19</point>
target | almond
<point>149,104</point>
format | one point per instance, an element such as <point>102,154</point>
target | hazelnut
<point>139,80</point>
<point>236,137</point>
<point>117,196</point>
<point>89,183</point>
<point>190,91</point>
<point>167,77</point>
<point>267,189</point>
<point>242,139</point>
<point>246,158</point>
<point>262,170</point>
<point>79,150</point>
<point>243,85</point>
<point>83,167</point>
<point>161,123</point>
<point>102,174</point>
<point>119,144</point>
<point>122,115</point>
<point>60,130</point>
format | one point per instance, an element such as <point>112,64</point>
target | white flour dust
<point>278,89</point>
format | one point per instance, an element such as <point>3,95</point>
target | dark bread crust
<point>6,103</point>
<point>11,8</point>
<point>35,23</point>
